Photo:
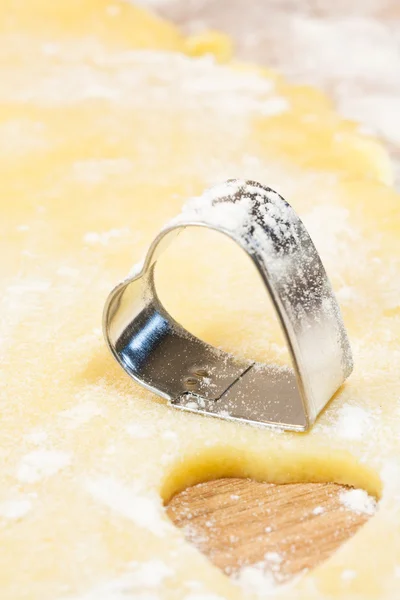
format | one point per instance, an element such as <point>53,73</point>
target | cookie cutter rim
<point>192,375</point>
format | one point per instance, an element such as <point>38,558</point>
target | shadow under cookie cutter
<point>193,375</point>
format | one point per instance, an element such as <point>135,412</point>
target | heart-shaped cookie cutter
<point>193,375</point>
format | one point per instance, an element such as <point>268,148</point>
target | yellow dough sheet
<point>109,120</point>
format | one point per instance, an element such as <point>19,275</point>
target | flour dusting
<point>28,285</point>
<point>140,581</point>
<point>15,509</point>
<point>37,437</point>
<point>358,501</point>
<point>103,238</point>
<point>348,575</point>
<point>81,414</point>
<point>130,502</point>
<point>210,208</point>
<point>256,580</point>
<point>138,430</point>
<point>240,206</point>
<point>318,510</point>
<point>353,422</point>
<point>65,271</point>
<point>203,596</point>
<point>40,464</point>
<point>94,171</point>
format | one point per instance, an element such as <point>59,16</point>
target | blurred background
<point>348,48</point>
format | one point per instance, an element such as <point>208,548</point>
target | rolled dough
<point>109,121</point>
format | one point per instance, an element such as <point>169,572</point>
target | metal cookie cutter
<point>192,375</point>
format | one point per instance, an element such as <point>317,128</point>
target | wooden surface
<point>350,50</point>
<point>287,528</point>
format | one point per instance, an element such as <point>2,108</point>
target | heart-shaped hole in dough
<point>264,512</point>
<point>264,533</point>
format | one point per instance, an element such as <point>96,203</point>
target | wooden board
<point>304,41</point>
<point>289,528</point>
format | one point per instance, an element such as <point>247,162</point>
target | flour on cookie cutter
<point>192,375</point>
